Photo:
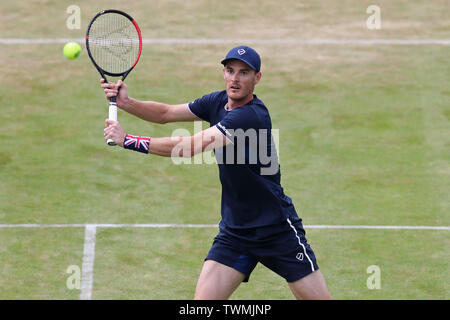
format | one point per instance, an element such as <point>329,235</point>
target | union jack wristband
<point>136,143</point>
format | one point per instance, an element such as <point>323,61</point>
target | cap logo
<point>241,52</point>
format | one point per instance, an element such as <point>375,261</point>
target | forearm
<point>172,146</point>
<point>186,147</point>
<point>146,110</point>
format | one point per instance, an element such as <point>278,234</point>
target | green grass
<point>34,262</point>
<point>164,264</point>
<point>364,139</point>
<point>236,19</point>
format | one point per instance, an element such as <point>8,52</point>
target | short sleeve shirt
<point>249,172</point>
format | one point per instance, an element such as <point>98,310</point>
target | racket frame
<point>112,113</point>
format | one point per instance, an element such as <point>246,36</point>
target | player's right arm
<point>147,110</point>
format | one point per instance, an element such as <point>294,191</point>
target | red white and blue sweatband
<point>136,143</point>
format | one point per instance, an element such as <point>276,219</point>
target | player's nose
<point>234,77</point>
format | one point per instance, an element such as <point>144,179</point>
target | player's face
<point>240,80</point>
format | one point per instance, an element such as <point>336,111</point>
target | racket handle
<point>112,115</point>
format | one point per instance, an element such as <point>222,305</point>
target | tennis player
<point>259,222</point>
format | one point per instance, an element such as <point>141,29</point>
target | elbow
<point>186,153</point>
<point>182,147</point>
<point>162,117</point>
<point>166,114</point>
<point>161,120</point>
<point>191,148</point>
<point>189,152</point>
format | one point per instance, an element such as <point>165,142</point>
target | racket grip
<point>112,115</point>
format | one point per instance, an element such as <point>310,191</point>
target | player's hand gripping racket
<point>114,44</point>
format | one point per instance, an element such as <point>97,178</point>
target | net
<point>114,42</point>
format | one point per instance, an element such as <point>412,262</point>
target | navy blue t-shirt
<point>252,195</point>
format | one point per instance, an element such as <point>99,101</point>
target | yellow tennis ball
<point>72,50</point>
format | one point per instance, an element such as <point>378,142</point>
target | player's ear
<point>258,77</point>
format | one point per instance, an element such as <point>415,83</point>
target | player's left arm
<point>202,141</point>
<point>180,146</point>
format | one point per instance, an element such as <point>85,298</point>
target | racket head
<point>113,43</point>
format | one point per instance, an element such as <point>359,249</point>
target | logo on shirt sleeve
<point>224,129</point>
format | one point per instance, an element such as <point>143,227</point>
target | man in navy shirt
<point>259,222</point>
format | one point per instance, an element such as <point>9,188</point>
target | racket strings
<point>114,42</point>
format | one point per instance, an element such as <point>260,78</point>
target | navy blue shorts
<point>282,248</point>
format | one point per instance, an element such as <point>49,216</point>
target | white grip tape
<point>112,111</point>
<point>112,115</point>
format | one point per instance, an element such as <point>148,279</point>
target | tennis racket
<point>114,44</point>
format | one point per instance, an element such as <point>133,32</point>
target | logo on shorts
<point>241,52</point>
<point>299,256</point>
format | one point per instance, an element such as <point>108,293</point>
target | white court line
<point>208,41</point>
<point>87,269</point>
<point>87,272</point>
<point>377,227</point>
<point>109,225</point>
<point>173,225</point>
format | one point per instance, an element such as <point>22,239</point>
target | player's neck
<point>233,104</point>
